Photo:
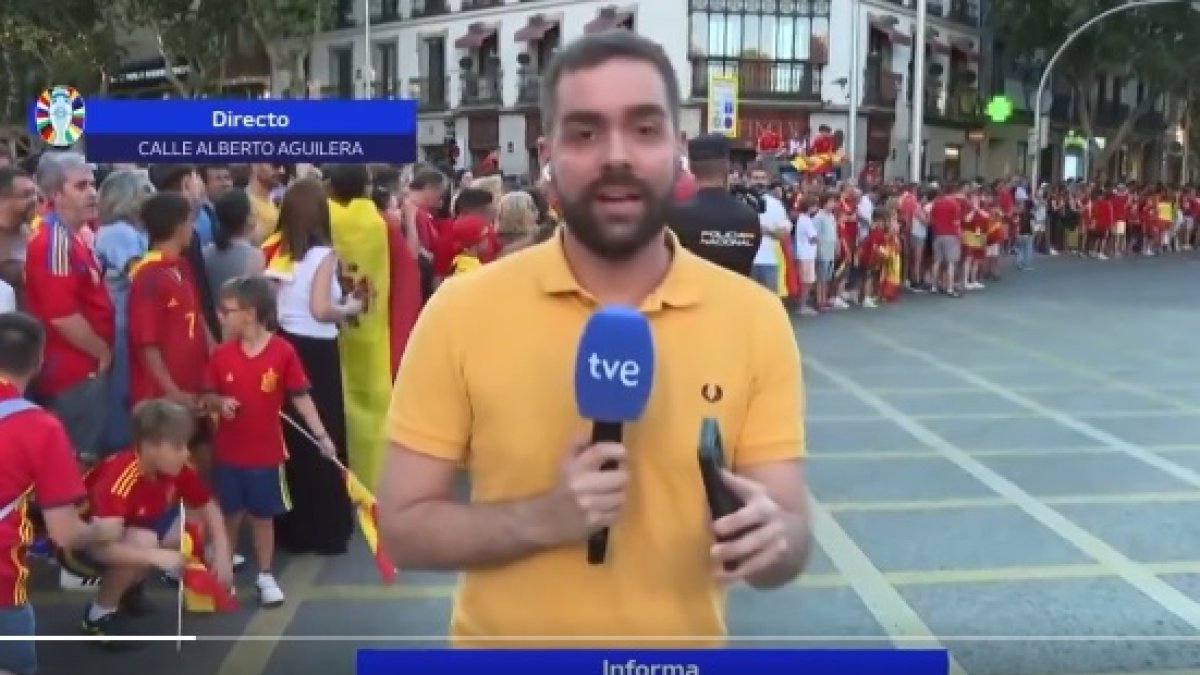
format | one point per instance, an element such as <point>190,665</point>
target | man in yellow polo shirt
<point>486,384</point>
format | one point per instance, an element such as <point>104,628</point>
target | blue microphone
<point>614,370</point>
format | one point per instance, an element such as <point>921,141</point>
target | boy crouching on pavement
<point>140,490</point>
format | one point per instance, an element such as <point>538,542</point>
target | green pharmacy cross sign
<point>999,109</point>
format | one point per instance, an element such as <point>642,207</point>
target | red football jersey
<point>261,384</point>
<point>163,313</point>
<point>118,487</point>
<point>63,277</point>
<point>38,463</point>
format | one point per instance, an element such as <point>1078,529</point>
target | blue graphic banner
<point>346,148</point>
<point>653,662</point>
<point>250,117</point>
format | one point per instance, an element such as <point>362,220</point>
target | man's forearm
<point>793,560</point>
<point>76,330</point>
<point>153,358</point>
<point>444,535</point>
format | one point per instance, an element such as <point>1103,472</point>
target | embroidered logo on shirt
<point>172,303</point>
<point>270,380</point>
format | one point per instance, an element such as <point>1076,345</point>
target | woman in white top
<point>310,307</point>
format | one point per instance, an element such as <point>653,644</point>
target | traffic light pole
<point>1035,173</point>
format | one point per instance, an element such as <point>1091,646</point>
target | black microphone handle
<point>603,432</point>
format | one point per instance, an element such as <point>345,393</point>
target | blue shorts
<point>83,564</point>
<point>262,493</point>
<point>18,657</point>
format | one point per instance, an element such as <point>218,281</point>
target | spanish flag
<point>202,592</point>
<point>361,241</point>
<point>891,267</point>
<point>788,284</point>
<point>279,264</point>
<point>367,511</point>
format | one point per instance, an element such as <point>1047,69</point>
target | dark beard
<point>581,221</point>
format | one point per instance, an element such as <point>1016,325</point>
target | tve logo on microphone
<point>614,368</point>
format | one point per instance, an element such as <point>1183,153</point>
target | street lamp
<point>1041,90</point>
<point>369,66</point>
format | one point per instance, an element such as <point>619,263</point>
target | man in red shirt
<point>1102,222</point>
<point>39,466</point>
<point>945,226</point>
<point>168,337</point>
<point>65,290</point>
<point>425,192</point>
<point>139,492</point>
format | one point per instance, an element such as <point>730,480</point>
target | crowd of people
<point>222,340</point>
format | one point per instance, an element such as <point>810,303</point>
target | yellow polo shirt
<point>504,408</point>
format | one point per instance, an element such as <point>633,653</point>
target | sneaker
<point>269,593</point>
<point>109,625</point>
<point>869,303</point>
<point>808,311</point>
<point>239,561</point>
<point>69,581</point>
<point>135,603</point>
<point>839,303</point>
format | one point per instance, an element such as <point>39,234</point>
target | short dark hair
<point>206,168</point>
<point>387,178</point>
<point>232,208</point>
<point>426,178</point>
<point>163,214</point>
<point>160,420</point>
<point>169,177</point>
<point>592,51</point>
<point>348,181</point>
<point>254,294</point>
<point>472,199</point>
<point>21,341</point>
<point>8,177</point>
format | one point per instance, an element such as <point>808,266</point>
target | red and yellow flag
<point>279,264</point>
<point>367,511</point>
<point>202,592</point>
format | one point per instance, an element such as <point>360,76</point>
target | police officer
<point>714,224</point>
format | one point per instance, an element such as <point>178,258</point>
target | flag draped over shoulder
<point>361,242</point>
<point>890,270</point>
<point>279,264</point>
<point>367,511</point>
<point>202,593</point>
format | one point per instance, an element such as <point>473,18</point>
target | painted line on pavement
<point>251,657</point>
<point>894,615</point>
<point>1001,417</point>
<point>1138,576</point>
<point>1093,374</point>
<point>952,504</point>
<point>1112,441</point>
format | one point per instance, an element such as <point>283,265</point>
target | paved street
<point>1013,475</point>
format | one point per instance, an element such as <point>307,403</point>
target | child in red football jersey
<point>249,379</point>
<point>168,341</point>
<point>140,490</point>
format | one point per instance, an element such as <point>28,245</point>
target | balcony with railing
<point>481,89</point>
<point>423,8</point>
<point>529,87</point>
<point>761,79</point>
<point>960,11</point>
<point>881,87</point>
<point>469,5</point>
<point>430,93</point>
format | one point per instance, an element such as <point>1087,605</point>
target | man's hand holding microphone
<point>614,370</point>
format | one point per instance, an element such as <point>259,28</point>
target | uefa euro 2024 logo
<point>59,116</point>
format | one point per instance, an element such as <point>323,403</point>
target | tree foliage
<point>192,33</point>
<point>287,30</point>
<point>44,43</point>
<point>1151,44</point>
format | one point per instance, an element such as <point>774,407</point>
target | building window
<point>341,72</point>
<point>385,63</point>
<point>773,30</point>
<point>1022,158</point>
<point>767,44</point>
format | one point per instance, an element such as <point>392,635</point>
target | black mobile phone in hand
<point>722,500</point>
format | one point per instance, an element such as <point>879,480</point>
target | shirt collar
<point>679,288</point>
